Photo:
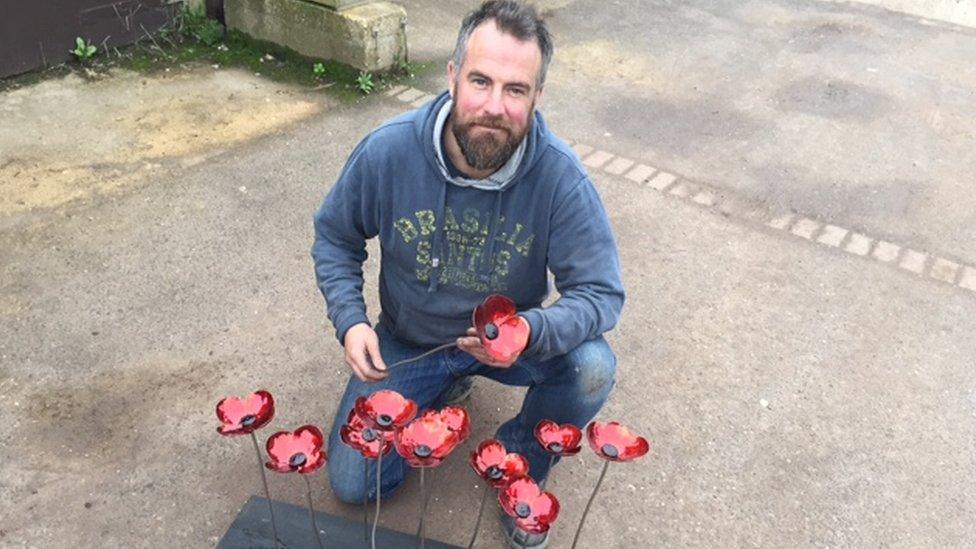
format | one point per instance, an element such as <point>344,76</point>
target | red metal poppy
<point>299,451</point>
<point>503,333</point>
<point>386,410</point>
<point>242,416</point>
<point>425,441</point>
<point>560,440</point>
<point>456,419</point>
<point>366,440</point>
<point>533,510</point>
<point>494,464</point>
<point>614,442</point>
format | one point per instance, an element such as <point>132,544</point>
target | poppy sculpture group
<point>385,420</point>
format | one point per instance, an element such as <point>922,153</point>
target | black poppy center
<point>248,420</point>
<point>423,451</point>
<point>369,435</point>
<point>610,450</point>
<point>297,460</point>
<point>522,509</point>
<point>384,420</point>
<point>494,473</point>
<point>555,447</point>
<point>491,331</point>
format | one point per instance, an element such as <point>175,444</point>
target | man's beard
<point>487,151</point>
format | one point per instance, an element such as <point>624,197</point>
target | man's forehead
<point>490,48</point>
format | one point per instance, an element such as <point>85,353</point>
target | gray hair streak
<point>514,18</point>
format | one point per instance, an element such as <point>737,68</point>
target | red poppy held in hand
<point>386,410</point>
<point>366,440</point>
<point>561,440</point>
<point>502,332</point>
<point>425,441</point>
<point>614,442</point>
<point>242,416</point>
<point>534,511</point>
<point>300,451</point>
<point>494,464</point>
<point>456,418</point>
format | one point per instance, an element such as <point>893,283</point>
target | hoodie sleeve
<point>346,219</point>
<point>583,257</point>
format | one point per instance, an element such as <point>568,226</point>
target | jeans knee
<point>347,488</point>
<point>595,367</point>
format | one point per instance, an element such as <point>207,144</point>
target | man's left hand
<point>471,344</point>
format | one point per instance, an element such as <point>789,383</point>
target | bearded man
<point>471,195</point>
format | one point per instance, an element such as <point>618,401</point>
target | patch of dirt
<point>68,138</point>
<point>603,60</point>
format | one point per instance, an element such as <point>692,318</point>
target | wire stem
<point>423,510</point>
<point>420,356</point>
<point>606,465</point>
<point>552,461</point>
<point>311,511</point>
<point>366,499</point>
<point>481,511</point>
<point>267,494</point>
<point>376,517</point>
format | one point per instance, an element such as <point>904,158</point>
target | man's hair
<point>513,18</point>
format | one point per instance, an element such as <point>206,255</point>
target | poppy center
<point>248,420</point>
<point>494,473</point>
<point>610,450</point>
<point>555,447</point>
<point>384,420</point>
<point>522,509</point>
<point>297,460</point>
<point>491,331</point>
<point>369,435</point>
<point>423,451</point>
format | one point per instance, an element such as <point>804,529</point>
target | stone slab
<point>252,528</point>
<point>369,36</point>
<point>944,270</point>
<point>340,4</point>
<point>640,173</point>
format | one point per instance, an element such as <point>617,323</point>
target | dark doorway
<point>35,34</point>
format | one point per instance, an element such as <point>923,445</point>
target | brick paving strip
<point>914,262</point>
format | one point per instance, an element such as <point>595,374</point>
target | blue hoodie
<point>447,242</point>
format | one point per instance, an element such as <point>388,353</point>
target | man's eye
<point>479,81</point>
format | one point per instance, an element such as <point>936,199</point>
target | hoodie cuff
<point>346,321</point>
<point>534,318</point>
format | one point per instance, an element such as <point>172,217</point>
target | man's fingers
<point>472,332</point>
<point>359,362</point>
<point>373,348</point>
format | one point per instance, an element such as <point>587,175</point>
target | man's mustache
<point>495,123</point>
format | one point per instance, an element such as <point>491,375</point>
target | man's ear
<point>450,78</point>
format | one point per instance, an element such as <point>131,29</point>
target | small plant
<point>210,32</point>
<point>318,70</point>
<point>364,82</point>
<point>84,50</point>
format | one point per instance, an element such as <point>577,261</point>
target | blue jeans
<point>566,389</point>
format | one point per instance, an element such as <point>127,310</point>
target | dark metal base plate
<point>252,528</point>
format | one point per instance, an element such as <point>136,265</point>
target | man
<point>472,195</point>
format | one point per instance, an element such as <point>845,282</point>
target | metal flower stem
<point>420,356</point>
<point>481,511</point>
<point>267,494</point>
<point>376,518</point>
<point>311,511</point>
<point>552,461</point>
<point>366,498</point>
<point>423,510</point>
<point>606,465</point>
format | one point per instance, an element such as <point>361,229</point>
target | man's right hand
<point>363,353</point>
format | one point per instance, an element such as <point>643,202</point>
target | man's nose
<point>495,105</point>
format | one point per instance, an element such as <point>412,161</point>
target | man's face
<point>494,96</point>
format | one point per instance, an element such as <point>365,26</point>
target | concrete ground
<point>796,391</point>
